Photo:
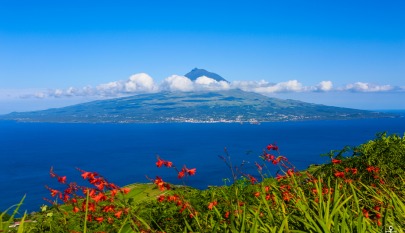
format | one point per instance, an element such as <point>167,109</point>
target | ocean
<point>126,153</point>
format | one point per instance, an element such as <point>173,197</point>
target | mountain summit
<point>196,73</point>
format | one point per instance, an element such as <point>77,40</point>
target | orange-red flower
<point>118,214</point>
<point>108,208</point>
<point>279,177</point>
<point>370,168</point>
<point>54,192</point>
<point>336,161</point>
<point>339,174</point>
<point>212,204</point>
<point>99,197</point>
<point>100,186</point>
<point>86,175</point>
<point>168,163</point>
<point>349,181</point>
<point>159,163</point>
<point>365,213</point>
<point>125,190</point>
<point>99,219</point>
<point>191,171</point>
<point>252,179</point>
<point>181,174</point>
<point>62,179</point>
<point>290,172</point>
<point>161,198</point>
<point>272,147</point>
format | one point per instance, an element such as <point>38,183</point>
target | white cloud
<point>41,95</point>
<point>140,83</point>
<point>177,83</point>
<point>324,86</point>
<point>367,87</point>
<point>137,83</point>
<point>143,83</point>
<point>267,88</point>
<point>206,83</point>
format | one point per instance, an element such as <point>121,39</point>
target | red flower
<point>99,197</point>
<point>370,168</point>
<point>191,171</point>
<point>181,174</point>
<point>287,196</point>
<point>114,192</point>
<point>76,209</point>
<point>118,214</point>
<point>100,186</point>
<point>314,191</point>
<point>348,181</point>
<point>339,174</point>
<point>290,172</point>
<point>365,213</point>
<point>125,190</point>
<point>279,177</point>
<point>62,179</point>
<point>54,192</point>
<point>99,219</point>
<point>226,215</point>
<point>108,208</point>
<point>159,163</point>
<point>354,171</point>
<point>161,185</point>
<point>272,147</point>
<point>252,179</point>
<point>336,161</point>
<point>211,205</point>
<point>161,198</point>
<point>257,194</point>
<point>268,157</point>
<point>86,175</point>
<point>168,163</point>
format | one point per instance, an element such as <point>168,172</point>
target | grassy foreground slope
<point>360,190</point>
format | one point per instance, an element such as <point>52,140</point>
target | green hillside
<point>206,107</point>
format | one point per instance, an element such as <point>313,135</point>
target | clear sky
<point>342,53</point>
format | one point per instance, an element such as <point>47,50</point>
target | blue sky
<point>342,53</point>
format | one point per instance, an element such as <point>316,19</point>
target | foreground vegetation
<point>360,190</point>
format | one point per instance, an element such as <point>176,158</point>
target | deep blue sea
<point>126,153</point>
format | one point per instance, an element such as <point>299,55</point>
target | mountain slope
<point>222,106</point>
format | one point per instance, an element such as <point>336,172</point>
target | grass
<point>360,190</point>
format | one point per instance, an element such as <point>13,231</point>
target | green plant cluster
<point>362,189</point>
